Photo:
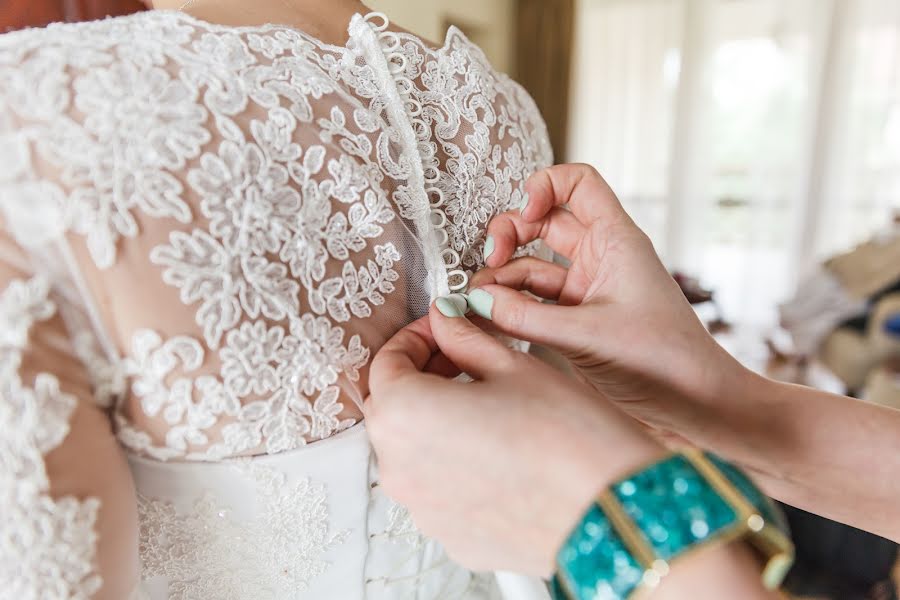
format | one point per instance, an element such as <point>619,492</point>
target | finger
<point>408,351</point>
<point>540,277</point>
<point>580,187</point>
<point>471,349</point>
<point>443,366</point>
<point>517,315</point>
<point>559,229</point>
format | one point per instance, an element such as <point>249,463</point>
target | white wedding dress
<point>207,232</point>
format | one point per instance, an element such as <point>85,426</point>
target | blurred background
<point>758,144</point>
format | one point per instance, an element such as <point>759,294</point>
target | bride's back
<point>207,231</point>
<point>238,218</point>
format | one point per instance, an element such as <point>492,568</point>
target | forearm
<point>730,571</point>
<point>828,454</point>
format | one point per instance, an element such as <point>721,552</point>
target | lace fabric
<point>249,213</point>
<point>207,553</point>
<point>289,526</point>
<point>230,221</point>
<point>47,544</point>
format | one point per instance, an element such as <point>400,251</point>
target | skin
<point>541,445</point>
<point>538,465</point>
<point>630,334</point>
<point>626,328</point>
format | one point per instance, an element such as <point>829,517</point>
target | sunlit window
<point>749,138</point>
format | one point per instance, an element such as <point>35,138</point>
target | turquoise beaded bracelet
<point>636,528</point>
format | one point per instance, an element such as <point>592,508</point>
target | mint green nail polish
<point>488,247</point>
<point>452,306</point>
<point>481,303</point>
<point>525,199</point>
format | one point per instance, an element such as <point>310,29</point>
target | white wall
<point>489,23</point>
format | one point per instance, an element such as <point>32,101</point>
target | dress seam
<point>374,53</point>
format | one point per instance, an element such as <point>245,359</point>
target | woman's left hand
<point>499,469</point>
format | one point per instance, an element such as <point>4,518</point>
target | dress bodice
<point>208,231</point>
<point>245,214</point>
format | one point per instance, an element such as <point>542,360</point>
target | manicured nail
<point>488,247</point>
<point>452,306</point>
<point>525,200</point>
<point>481,303</point>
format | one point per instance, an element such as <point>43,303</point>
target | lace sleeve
<point>67,507</point>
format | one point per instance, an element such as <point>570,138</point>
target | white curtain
<point>749,138</point>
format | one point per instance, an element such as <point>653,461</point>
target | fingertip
<point>523,317</point>
<point>488,249</point>
<point>481,302</point>
<point>503,238</point>
<point>452,306</point>
<point>465,344</point>
<point>539,190</point>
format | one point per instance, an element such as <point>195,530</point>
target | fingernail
<point>525,199</point>
<point>452,306</point>
<point>481,303</point>
<point>488,247</point>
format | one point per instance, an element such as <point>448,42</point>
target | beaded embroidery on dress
<point>233,220</point>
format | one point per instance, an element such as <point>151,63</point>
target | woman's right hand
<point>620,318</point>
<point>626,327</point>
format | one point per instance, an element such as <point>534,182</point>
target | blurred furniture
<point>854,350</point>
<point>844,316</point>
<point>883,384</point>
<point>16,14</point>
<point>696,295</point>
<point>859,346</point>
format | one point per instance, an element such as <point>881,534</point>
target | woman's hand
<point>499,469</point>
<point>626,327</point>
<point>620,318</point>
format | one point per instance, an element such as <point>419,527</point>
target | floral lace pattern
<point>209,553</point>
<point>291,194</point>
<point>47,545</point>
<point>233,220</point>
<point>257,361</point>
<point>423,569</point>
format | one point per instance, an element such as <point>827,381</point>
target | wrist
<point>725,571</point>
<point>688,504</point>
<point>595,469</point>
<point>726,409</point>
<point>745,417</point>
<point>720,378</point>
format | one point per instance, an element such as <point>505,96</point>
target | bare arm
<point>68,513</point>
<point>832,455</point>
<point>722,572</point>
<point>628,331</point>
<point>544,445</point>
